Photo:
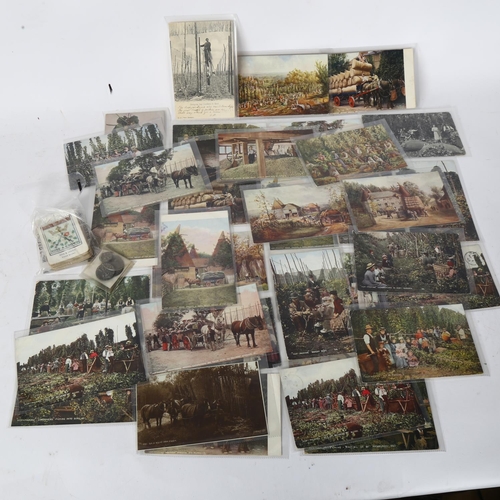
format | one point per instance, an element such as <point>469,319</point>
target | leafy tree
<point>322,77</point>
<point>337,63</point>
<point>391,65</point>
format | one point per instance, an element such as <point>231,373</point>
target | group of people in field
<point>400,349</point>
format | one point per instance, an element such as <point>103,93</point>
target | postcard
<point>203,61</point>
<point>414,343</point>
<point>448,168</point>
<point>59,303</point>
<point>269,445</point>
<point>133,119</point>
<point>197,263</point>
<point>221,195</point>
<point>371,79</point>
<point>189,337</point>
<point>423,438</point>
<point>420,261</point>
<point>121,144</point>
<point>288,84</point>
<point>150,179</point>
<point>310,288</point>
<point>249,257</point>
<point>388,202</point>
<point>329,403</point>
<point>132,234</point>
<point>423,134</point>
<point>331,157</point>
<point>296,211</point>
<point>256,154</point>
<point>203,405</point>
<point>100,408</point>
<point>61,365</point>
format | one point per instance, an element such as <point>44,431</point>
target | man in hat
<point>299,313</point>
<point>384,341</point>
<point>381,394</point>
<point>371,345</point>
<point>106,355</point>
<point>369,279</point>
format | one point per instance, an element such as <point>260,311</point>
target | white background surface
<point>56,61</point>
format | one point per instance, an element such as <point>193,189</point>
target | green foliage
<point>391,65</point>
<point>337,63</point>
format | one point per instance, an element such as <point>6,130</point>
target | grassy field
<point>201,297</point>
<point>141,249</point>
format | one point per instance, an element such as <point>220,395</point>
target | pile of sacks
<point>347,81</point>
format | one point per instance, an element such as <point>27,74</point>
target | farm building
<point>385,200</point>
<point>285,210</point>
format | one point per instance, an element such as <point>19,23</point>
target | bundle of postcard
<point>343,250</point>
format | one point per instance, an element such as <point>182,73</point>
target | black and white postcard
<point>203,60</point>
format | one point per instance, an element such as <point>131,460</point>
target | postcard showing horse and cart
<point>310,289</point>
<point>406,343</point>
<point>149,179</point>
<point>189,337</point>
<point>371,79</point>
<point>423,134</point>
<point>203,61</point>
<point>197,262</point>
<point>336,156</point>
<point>78,362</point>
<point>328,403</point>
<point>294,211</point>
<point>418,261</point>
<point>83,155</point>
<point>387,202</point>
<point>202,405</point>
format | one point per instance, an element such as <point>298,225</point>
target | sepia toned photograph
<point>333,157</point>
<point>407,343</point>
<point>66,364</point>
<point>385,203</point>
<point>422,261</point>
<point>150,179</point>
<point>329,403</point>
<point>296,211</point>
<point>311,292</point>
<point>197,263</point>
<point>189,337</point>
<point>276,85</point>
<point>134,119</point>
<point>249,258</point>
<point>371,79</point>
<point>203,60</point>
<point>200,406</point>
<point>423,134</point>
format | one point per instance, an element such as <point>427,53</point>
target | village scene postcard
<point>420,261</point>
<point>414,343</point>
<point>368,80</point>
<point>311,292</point>
<point>329,403</point>
<point>387,202</point>
<point>150,178</point>
<point>203,405</point>
<point>203,66</point>
<point>189,337</point>
<point>289,84</point>
<point>334,156</point>
<point>296,211</point>
<point>197,264</point>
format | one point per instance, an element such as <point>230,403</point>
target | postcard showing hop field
<point>414,343</point>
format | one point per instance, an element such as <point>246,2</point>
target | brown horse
<point>247,327</point>
<point>184,175</point>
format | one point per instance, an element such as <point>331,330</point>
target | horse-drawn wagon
<point>352,94</point>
